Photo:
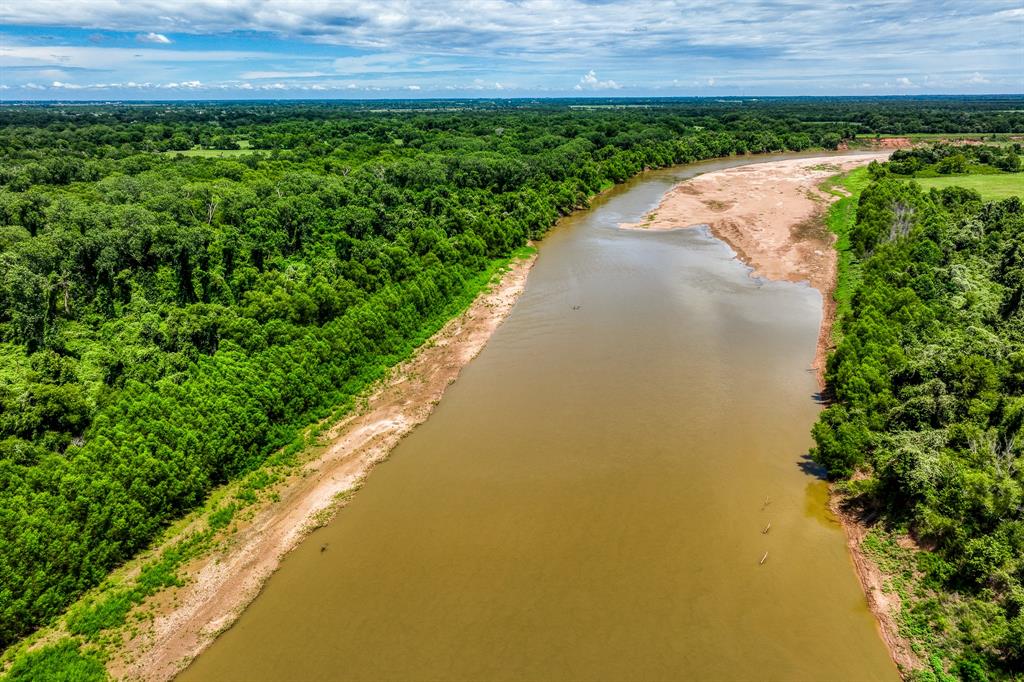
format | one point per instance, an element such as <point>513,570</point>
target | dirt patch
<point>716,205</point>
<point>893,142</point>
<point>811,228</point>
<point>219,586</point>
<point>884,604</point>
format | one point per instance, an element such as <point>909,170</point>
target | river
<point>587,501</point>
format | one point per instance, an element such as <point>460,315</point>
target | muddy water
<point>587,502</point>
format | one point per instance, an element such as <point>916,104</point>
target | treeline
<point>928,389</point>
<point>949,159</point>
<point>86,143</point>
<point>167,321</point>
<point>885,114</point>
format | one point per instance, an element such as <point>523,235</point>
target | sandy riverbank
<point>772,215</point>
<point>220,585</point>
<point>885,603</point>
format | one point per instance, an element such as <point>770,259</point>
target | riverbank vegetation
<point>926,424</point>
<point>169,320</point>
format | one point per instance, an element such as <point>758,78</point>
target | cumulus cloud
<point>777,46</point>
<point>589,81</point>
<point>977,77</point>
<point>524,27</point>
<point>158,38</point>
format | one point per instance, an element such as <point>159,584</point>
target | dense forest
<point>169,317</point>
<point>928,390</point>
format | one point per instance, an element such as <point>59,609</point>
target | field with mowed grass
<point>211,153</point>
<point>991,187</point>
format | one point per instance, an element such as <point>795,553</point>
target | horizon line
<point>752,98</point>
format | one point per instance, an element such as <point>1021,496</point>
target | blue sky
<point>223,49</point>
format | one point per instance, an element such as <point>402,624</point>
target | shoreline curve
<point>223,582</point>
<point>772,215</point>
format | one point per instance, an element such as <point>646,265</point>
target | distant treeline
<point>954,159</point>
<point>928,388</point>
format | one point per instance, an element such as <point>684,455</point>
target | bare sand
<point>773,216</point>
<point>219,585</point>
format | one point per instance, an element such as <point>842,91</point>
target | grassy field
<point>840,218</point>
<point>245,147</point>
<point>212,153</point>
<point>990,187</point>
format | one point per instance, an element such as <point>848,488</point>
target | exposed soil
<point>894,142</point>
<point>772,215</point>
<point>221,584</point>
<point>885,604</point>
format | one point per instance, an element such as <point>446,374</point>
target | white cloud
<point>830,44</point>
<point>158,38</point>
<point>546,27</point>
<point>977,77</point>
<point>589,81</point>
<point>111,58</point>
<point>258,75</point>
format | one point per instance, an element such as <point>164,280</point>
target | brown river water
<point>587,501</point>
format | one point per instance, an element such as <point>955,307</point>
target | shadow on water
<point>812,468</point>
